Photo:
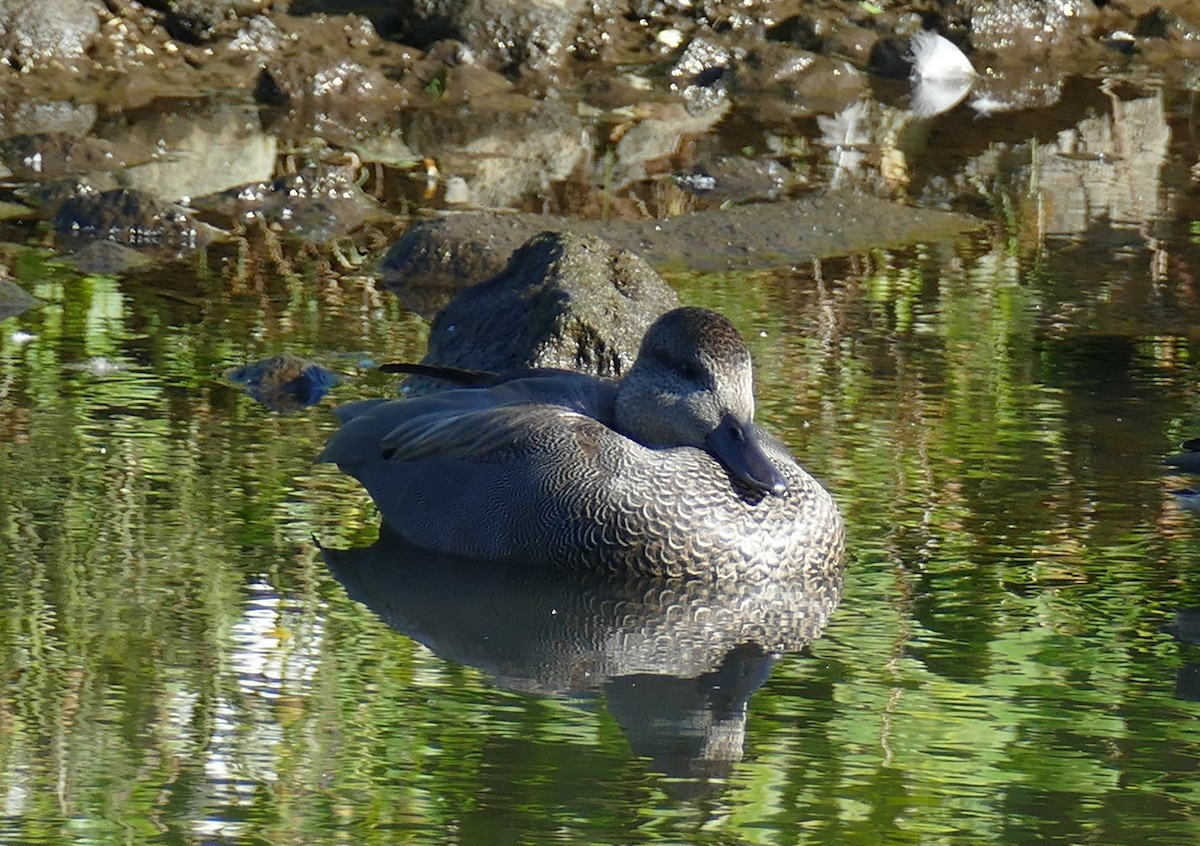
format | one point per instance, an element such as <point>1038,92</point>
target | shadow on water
<point>675,661</point>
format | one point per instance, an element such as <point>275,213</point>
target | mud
<point>712,135</point>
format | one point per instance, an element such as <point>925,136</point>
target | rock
<point>563,300</point>
<point>260,36</point>
<point>20,115</point>
<point>14,299</point>
<point>702,72</point>
<point>735,179</point>
<point>1168,24</point>
<point>53,155</point>
<point>33,32</point>
<point>659,136</point>
<point>435,259</point>
<point>336,91</point>
<point>191,148</point>
<point>319,202</point>
<point>106,258</point>
<point>1003,25</point>
<point>199,21</point>
<point>285,383</point>
<point>506,154</point>
<point>790,83</point>
<point>134,219</point>
<point>532,35</point>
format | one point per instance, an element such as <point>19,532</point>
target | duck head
<point>692,385</point>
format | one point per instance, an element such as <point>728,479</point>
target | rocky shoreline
<point>169,126</point>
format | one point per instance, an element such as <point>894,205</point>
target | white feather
<point>937,58</point>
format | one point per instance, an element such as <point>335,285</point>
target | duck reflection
<point>1186,629</point>
<point>676,660</point>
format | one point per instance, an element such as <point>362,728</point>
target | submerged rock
<point>134,219</point>
<point>284,383</point>
<point>46,156</point>
<point>19,115</point>
<point>506,154</point>
<point>436,258</point>
<point>106,258</point>
<point>319,202</point>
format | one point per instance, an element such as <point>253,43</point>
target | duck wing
<point>366,423</point>
<point>454,375</point>
<point>473,425</point>
<point>466,378</point>
<point>485,436</point>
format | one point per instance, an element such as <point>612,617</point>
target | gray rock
<point>33,32</point>
<point>435,259</point>
<point>503,155</point>
<point>134,219</point>
<point>563,300</point>
<point>192,148</point>
<point>533,34</point>
<point>328,93</point>
<point>1000,24</point>
<point>20,115</point>
<point>14,299</point>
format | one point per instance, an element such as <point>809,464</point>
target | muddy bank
<point>704,135</point>
<point>436,258</point>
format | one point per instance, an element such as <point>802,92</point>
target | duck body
<point>1188,460</point>
<point>661,473</point>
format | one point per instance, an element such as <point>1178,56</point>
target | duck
<point>660,472</point>
<point>1187,461</point>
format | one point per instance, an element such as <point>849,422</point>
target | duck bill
<point>738,445</point>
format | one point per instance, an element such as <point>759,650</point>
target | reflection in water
<point>274,652</point>
<point>1186,629</point>
<point>675,660</point>
<point>991,416</point>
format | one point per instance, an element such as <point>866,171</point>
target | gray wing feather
<point>479,436</point>
<point>458,425</point>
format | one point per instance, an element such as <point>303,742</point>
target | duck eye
<point>689,370</point>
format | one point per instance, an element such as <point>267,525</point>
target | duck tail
<point>454,375</point>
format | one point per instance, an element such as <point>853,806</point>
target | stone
<point>33,32</point>
<point>563,300</point>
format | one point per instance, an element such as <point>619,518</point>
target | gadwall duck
<point>1188,462</point>
<point>662,472</point>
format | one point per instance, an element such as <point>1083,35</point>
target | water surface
<point>182,667</point>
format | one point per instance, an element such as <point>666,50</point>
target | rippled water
<point>182,666</point>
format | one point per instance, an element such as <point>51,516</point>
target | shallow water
<point>182,667</point>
